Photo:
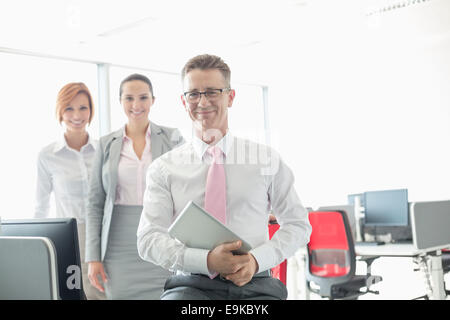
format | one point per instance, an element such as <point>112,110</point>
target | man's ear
<point>184,103</point>
<point>231,96</point>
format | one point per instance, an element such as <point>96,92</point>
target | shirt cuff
<point>196,261</point>
<point>264,256</point>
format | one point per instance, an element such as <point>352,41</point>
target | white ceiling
<point>163,34</point>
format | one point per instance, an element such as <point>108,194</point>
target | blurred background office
<point>352,93</point>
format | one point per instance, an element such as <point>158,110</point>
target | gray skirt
<point>130,277</point>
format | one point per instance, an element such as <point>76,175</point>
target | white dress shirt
<point>64,171</point>
<point>258,182</point>
<point>131,171</point>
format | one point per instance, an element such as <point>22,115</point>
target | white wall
<point>363,104</point>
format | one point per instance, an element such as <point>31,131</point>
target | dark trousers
<point>201,287</point>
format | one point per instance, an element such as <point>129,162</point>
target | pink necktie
<point>215,194</point>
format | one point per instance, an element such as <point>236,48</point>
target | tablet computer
<point>196,228</point>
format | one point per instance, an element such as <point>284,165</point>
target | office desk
<point>430,222</point>
<point>388,250</point>
<point>430,258</point>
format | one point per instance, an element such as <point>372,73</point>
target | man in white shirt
<point>255,182</point>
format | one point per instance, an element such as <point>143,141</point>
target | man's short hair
<point>207,61</point>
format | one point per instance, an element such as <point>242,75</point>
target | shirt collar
<point>147,134</point>
<point>90,143</point>
<point>61,143</point>
<point>224,144</point>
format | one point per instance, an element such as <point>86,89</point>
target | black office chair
<point>331,258</point>
<point>446,260</point>
<point>446,265</point>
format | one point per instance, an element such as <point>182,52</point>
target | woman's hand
<point>95,268</point>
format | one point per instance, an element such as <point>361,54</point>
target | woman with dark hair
<point>116,198</point>
<point>64,167</point>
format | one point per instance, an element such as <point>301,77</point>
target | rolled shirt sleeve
<point>153,240</point>
<point>292,217</point>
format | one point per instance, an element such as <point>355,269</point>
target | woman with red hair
<point>64,167</point>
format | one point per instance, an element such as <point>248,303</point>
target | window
<point>30,85</point>
<point>246,116</point>
<point>29,88</point>
<point>167,109</point>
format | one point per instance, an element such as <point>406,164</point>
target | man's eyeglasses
<point>210,94</point>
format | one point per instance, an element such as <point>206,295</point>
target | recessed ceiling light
<point>393,6</point>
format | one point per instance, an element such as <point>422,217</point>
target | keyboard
<point>370,243</point>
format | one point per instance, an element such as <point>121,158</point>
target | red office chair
<point>280,270</point>
<point>331,258</point>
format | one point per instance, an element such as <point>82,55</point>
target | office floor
<point>400,281</point>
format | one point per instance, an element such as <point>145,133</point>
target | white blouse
<point>64,171</point>
<point>131,172</point>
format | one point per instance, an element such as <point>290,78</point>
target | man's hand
<point>237,268</point>
<point>223,261</point>
<point>245,274</point>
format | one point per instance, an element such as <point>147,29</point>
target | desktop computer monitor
<point>64,235</point>
<point>386,208</point>
<point>386,216</point>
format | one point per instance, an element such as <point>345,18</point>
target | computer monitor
<point>386,208</point>
<point>64,235</point>
<point>22,280</point>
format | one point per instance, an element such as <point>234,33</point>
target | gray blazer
<point>103,182</point>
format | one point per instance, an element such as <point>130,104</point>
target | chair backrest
<point>430,215</point>
<point>331,253</point>
<point>28,269</point>
<point>349,210</point>
<point>280,271</point>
